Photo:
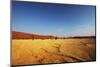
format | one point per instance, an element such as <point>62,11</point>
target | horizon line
<point>55,35</point>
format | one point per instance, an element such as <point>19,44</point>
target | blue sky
<point>53,19</point>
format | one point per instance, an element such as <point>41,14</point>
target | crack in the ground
<point>91,51</point>
<point>67,56</point>
<point>41,60</point>
<point>57,47</point>
<point>83,43</point>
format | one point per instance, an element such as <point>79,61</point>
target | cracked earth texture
<point>27,51</point>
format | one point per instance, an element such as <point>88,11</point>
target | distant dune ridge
<point>24,35</point>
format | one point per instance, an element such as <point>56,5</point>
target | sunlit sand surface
<point>38,51</point>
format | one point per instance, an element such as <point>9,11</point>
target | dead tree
<point>56,38</point>
<point>32,37</point>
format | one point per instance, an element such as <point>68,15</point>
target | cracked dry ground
<point>52,51</point>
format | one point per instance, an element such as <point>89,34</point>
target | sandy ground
<point>52,51</point>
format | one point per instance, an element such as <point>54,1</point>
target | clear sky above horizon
<point>53,19</point>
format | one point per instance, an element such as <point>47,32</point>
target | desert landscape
<point>52,33</point>
<point>46,51</point>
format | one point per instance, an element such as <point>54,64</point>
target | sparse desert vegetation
<point>38,51</point>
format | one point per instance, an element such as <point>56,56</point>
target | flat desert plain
<point>47,51</point>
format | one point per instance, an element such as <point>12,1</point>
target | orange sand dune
<point>23,35</point>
